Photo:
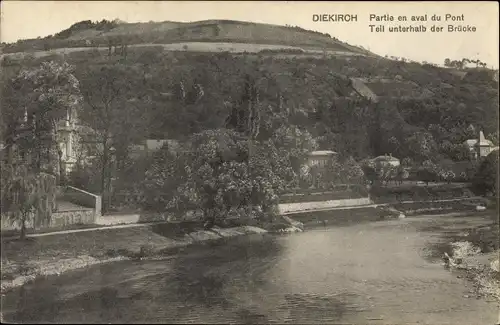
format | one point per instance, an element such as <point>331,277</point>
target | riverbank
<point>341,275</point>
<point>47,254</point>
<point>476,253</point>
<point>25,261</point>
<point>472,250</point>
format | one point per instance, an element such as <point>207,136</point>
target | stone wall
<point>305,206</point>
<point>67,218</point>
<point>57,220</point>
<point>83,198</point>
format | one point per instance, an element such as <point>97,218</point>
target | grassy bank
<point>413,192</point>
<point>23,261</point>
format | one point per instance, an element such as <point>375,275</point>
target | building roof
<point>385,158</point>
<point>475,142</point>
<point>482,141</point>
<point>470,142</point>
<point>322,153</point>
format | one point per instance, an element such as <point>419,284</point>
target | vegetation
<point>486,178</point>
<point>31,156</point>
<point>460,64</point>
<point>247,120</point>
<point>88,33</point>
<point>235,169</point>
<point>27,197</point>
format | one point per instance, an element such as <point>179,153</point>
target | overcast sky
<point>30,19</point>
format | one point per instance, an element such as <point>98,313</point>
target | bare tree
<point>109,110</point>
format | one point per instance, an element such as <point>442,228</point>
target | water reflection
<point>331,275</point>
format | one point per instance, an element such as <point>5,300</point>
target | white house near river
<point>320,158</point>
<point>386,160</point>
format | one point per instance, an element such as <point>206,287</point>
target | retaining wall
<point>67,218</point>
<point>304,206</point>
<point>57,219</point>
<point>84,198</point>
<point>88,214</point>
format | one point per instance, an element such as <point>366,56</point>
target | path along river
<point>382,272</point>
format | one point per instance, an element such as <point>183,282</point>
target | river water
<point>378,273</point>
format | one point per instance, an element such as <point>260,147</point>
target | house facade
<point>480,147</point>
<point>77,143</point>
<point>320,158</point>
<point>67,141</point>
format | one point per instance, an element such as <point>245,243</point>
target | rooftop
<point>482,141</point>
<point>322,153</point>
<point>473,142</point>
<point>385,158</point>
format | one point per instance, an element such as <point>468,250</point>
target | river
<point>382,272</point>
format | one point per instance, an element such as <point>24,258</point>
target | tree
<point>20,194</point>
<point>426,175</point>
<point>370,173</point>
<point>407,162</point>
<point>421,145</point>
<point>244,118</point>
<point>162,178</point>
<point>494,137</point>
<point>428,172</point>
<point>243,166</point>
<point>346,171</point>
<point>447,62</point>
<point>401,174</point>
<point>485,180</point>
<point>113,110</point>
<point>219,175</point>
<point>50,95</point>
<point>22,188</point>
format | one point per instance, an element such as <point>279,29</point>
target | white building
<point>66,137</point>
<point>479,147</point>
<point>386,160</point>
<point>320,158</point>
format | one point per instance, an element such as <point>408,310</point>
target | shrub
<point>486,179</point>
<point>146,250</point>
<point>85,177</point>
<point>427,175</point>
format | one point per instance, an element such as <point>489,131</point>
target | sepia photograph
<point>249,162</point>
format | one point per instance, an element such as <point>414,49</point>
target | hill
<point>358,104</point>
<point>103,33</point>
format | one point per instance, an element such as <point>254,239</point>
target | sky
<point>31,19</point>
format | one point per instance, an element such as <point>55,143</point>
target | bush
<point>486,179</point>
<point>145,251</point>
<point>85,177</point>
<point>426,175</point>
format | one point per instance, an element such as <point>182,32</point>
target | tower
<point>484,146</point>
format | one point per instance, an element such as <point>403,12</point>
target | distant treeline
<point>103,25</point>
